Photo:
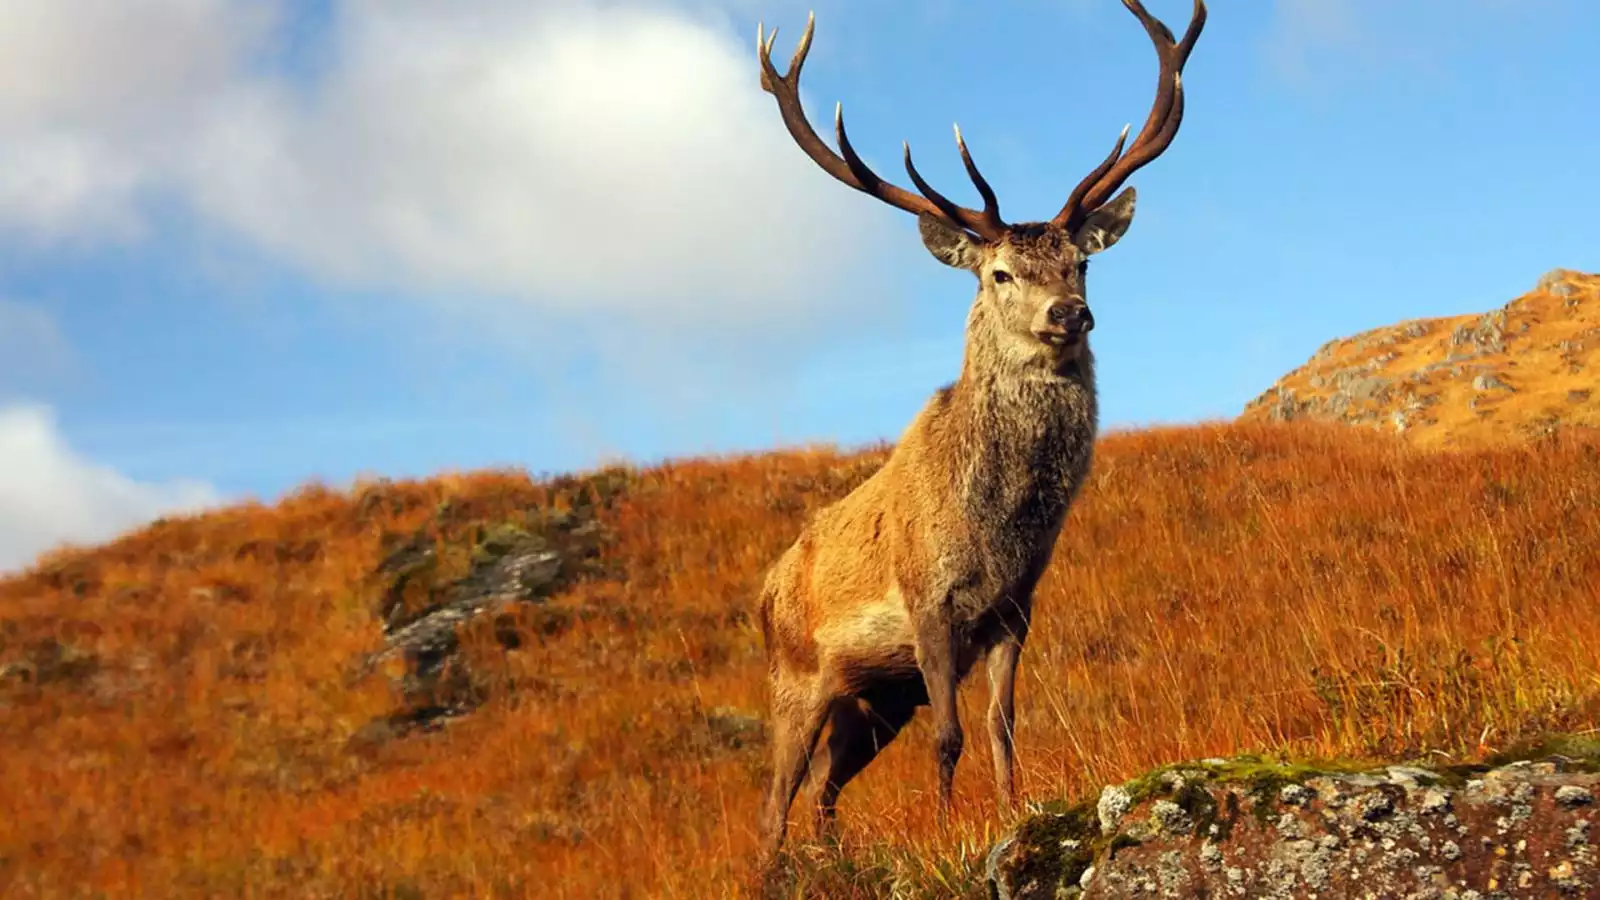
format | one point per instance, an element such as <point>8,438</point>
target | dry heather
<point>1526,369</point>
<point>182,717</point>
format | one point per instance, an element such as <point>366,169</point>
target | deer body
<point>889,597</point>
<point>966,510</point>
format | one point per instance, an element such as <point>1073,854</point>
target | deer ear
<point>1106,225</point>
<point>951,246</point>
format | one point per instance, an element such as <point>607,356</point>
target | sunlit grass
<point>178,706</point>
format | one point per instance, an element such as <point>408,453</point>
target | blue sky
<point>248,245</point>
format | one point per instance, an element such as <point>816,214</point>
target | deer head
<point>1030,274</point>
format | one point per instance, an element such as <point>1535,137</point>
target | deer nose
<point>1071,316</point>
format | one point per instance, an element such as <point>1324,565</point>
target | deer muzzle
<point>1067,320</point>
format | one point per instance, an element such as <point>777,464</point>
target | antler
<point>1159,129</point>
<point>851,170</point>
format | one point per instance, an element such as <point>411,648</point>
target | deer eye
<point>1001,276</point>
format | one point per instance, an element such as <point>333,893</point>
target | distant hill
<point>1520,371</point>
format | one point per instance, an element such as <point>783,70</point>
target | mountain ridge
<point>1516,372</point>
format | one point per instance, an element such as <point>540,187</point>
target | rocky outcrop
<point>1521,370</point>
<point>513,569</point>
<point>1245,828</point>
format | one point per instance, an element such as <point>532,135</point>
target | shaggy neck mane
<point>1020,436</point>
<point>1000,371</point>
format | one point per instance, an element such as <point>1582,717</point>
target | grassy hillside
<point>183,714</point>
<point>1525,369</point>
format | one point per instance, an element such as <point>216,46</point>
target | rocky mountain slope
<point>1523,370</point>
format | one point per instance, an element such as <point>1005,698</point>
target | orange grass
<point>178,707</point>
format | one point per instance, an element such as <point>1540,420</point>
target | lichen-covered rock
<point>513,567</point>
<point>1113,805</point>
<point>1248,828</point>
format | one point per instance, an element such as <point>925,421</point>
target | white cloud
<point>96,99</point>
<point>49,494</point>
<point>567,156</point>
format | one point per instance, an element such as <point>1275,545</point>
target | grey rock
<point>1573,795</point>
<point>1577,837</point>
<point>1170,817</point>
<point>512,567</point>
<point>998,883</point>
<point>1486,335</point>
<point>1390,832</point>
<point>1556,278</point>
<point>1114,804</point>
<point>1489,382</point>
<point>1295,794</point>
<point>1369,388</point>
<point>1435,801</point>
<point>1377,806</point>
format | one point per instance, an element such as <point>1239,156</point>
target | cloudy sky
<point>245,244</point>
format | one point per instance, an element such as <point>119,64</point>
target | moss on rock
<point>1181,821</point>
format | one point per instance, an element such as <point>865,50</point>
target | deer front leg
<point>799,710</point>
<point>1002,720</point>
<point>936,657</point>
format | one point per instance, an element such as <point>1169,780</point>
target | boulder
<point>1251,828</point>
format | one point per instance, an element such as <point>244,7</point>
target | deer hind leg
<point>860,730</point>
<point>799,710</point>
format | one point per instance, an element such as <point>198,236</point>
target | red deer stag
<point>889,596</point>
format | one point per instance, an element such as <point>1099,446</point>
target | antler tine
<point>850,168</point>
<point>1075,199</point>
<point>1165,44</point>
<point>1160,127</point>
<point>950,209</point>
<point>991,203</point>
<point>764,51</point>
<point>1197,21</point>
<point>858,167</point>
